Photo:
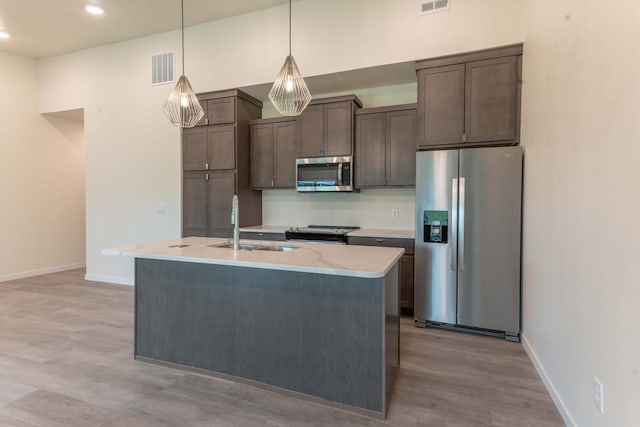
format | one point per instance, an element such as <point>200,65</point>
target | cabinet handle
<point>206,120</point>
<point>464,137</point>
<point>206,177</point>
<point>461,224</point>
<point>379,240</point>
<point>261,234</point>
<point>206,165</point>
<point>272,184</point>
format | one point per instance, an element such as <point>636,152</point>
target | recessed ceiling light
<point>4,35</point>
<point>93,9</point>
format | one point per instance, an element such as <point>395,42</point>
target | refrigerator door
<point>489,238</point>
<point>435,261</point>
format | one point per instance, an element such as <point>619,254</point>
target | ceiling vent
<point>433,6</point>
<point>162,69</point>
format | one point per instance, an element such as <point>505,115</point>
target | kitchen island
<point>317,319</point>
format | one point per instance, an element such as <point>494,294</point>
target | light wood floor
<point>66,359</point>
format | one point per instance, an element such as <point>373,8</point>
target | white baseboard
<point>557,400</point>
<point>117,280</point>
<point>41,271</point>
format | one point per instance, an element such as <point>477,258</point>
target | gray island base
<point>330,336</point>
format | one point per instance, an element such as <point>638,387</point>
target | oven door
<point>324,174</point>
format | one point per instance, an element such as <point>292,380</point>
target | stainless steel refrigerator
<point>468,240</point>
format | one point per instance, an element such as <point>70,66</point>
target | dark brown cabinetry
<point>259,235</point>
<point>471,99</point>
<point>385,148</point>
<point>273,153</point>
<point>406,266</point>
<point>209,148</point>
<point>216,166</point>
<point>326,127</point>
<point>218,111</point>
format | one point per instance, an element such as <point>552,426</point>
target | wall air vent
<point>433,6</point>
<point>162,69</point>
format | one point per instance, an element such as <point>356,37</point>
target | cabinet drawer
<point>406,244</point>
<point>256,235</point>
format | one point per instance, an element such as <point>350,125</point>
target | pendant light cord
<point>182,13</point>
<point>289,27</point>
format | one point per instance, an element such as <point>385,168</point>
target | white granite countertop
<point>321,258</point>
<point>385,234</point>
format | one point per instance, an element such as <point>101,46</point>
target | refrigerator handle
<point>453,225</point>
<point>461,225</point>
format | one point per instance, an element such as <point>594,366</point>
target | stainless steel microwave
<point>324,174</point>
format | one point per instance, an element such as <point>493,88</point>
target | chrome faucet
<point>235,221</point>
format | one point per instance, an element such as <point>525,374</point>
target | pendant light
<point>182,106</point>
<point>289,93</point>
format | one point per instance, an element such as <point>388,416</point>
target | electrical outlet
<point>394,213</point>
<point>598,394</point>
<point>282,212</point>
<point>162,208</point>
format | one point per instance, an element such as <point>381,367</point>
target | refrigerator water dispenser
<point>436,226</point>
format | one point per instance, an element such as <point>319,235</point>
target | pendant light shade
<point>182,106</point>
<point>289,93</point>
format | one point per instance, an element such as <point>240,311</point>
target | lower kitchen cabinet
<point>259,235</point>
<point>406,266</point>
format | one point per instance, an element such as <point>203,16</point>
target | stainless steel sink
<point>257,247</point>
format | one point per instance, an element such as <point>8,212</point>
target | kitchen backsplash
<point>371,208</point>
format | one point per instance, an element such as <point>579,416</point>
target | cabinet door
<point>370,163</point>
<point>261,155</point>
<point>312,132</point>
<point>338,135</point>
<point>491,109</point>
<point>194,149</point>
<point>284,174</point>
<point>222,187</point>
<point>221,110</point>
<point>204,120</point>
<point>441,105</point>
<point>195,196</point>
<point>222,147</point>
<point>401,147</point>
<point>406,285</point>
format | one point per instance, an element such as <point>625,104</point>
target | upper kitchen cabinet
<point>471,99</point>
<point>385,149</point>
<point>326,127</point>
<point>273,153</point>
<point>216,166</point>
<point>217,111</point>
<point>209,148</point>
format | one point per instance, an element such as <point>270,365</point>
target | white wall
<point>580,112</point>
<point>42,225</point>
<point>368,209</point>
<point>133,153</point>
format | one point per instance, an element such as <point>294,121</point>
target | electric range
<point>320,233</point>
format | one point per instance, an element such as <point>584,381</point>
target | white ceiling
<point>41,28</point>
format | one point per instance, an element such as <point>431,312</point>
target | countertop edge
<point>136,251</point>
